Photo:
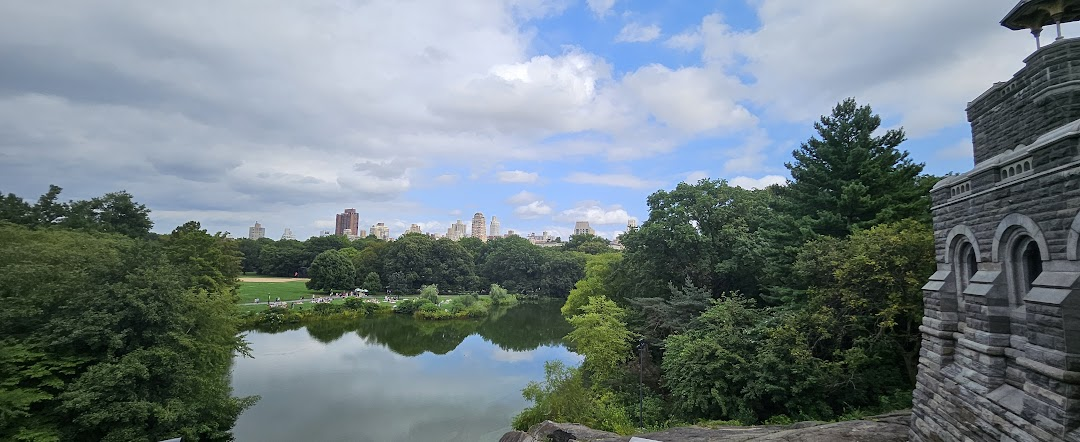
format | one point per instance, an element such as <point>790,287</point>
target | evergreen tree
<point>849,178</point>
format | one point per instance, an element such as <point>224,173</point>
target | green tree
<point>212,260</point>
<point>559,271</point>
<point>708,367</point>
<point>107,338</point>
<point>413,256</point>
<point>849,178</point>
<point>372,283</point>
<point>600,334</point>
<point>588,243</point>
<point>499,295</point>
<point>283,258</point>
<point>430,292</point>
<point>598,270</point>
<point>15,210</point>
<point>331,270</point>
<point>514,263</point>
<point>710,233</point>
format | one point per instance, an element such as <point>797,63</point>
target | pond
<point>394,378</point>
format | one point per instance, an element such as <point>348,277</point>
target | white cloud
<point>757,183</point>
<point>523,197</point>
<point>638,33</point>
<point>695,176</point>
<point>532,210</point>
<point>516,176</point>
<point>600,7</point>
<point>615,180</point>
<point>592,212</point>
<point>883,55</point>
<point>692,99</point>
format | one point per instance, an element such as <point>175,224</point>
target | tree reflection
<point>522,327</point>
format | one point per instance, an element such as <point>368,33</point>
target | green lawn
<point>287,291</point>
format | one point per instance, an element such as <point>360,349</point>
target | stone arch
<point>1071,247</point>
<point>1010,224</point>
<point>962,232</point>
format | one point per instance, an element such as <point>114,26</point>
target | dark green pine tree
<point>849,178</point>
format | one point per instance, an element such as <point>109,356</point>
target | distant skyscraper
<point>582,228</point>
<point>362,234</point>
<point>414,228</point>
<point>349,220</point>
<point>457,230</point>
<point>479,226</point>
<point>496,227</point>
<point>381,231</point>
<point>287,235</point>
<point>631,225</point>
<point>257,231</point>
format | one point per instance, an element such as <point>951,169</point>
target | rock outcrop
<point>891,427</point>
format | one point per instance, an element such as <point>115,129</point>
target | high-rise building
<point>288,235</point>
<point>631,225</point>
<point>495,228</point>
<point>458,230</point>
<point>414,228</point>
<point>362,234</point>
<point>349,220</point>
<point>479,226</point>
<point>582,228</point>
<point>381,231</point>
<point>257,231</point>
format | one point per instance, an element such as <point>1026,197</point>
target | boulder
<point>557,432</point>
<point>517,436</point>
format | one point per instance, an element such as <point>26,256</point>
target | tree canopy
<point>847,177</point>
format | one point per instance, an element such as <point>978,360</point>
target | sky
<point>539,112</point>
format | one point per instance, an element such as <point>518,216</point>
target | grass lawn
<point>287,291</point>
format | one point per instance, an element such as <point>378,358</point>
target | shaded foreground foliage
<point>797,302</point>
<point>105,337</point>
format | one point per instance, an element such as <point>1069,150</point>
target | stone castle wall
<point>1000,357</point>
<point>1040,97</point>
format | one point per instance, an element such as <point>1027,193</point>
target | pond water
<point>395,378</point>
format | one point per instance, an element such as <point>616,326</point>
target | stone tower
<point>1000,357</point>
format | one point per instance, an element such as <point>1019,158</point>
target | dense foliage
<point>108,334</point>
<point>415,260</point>
<point>791,302</point>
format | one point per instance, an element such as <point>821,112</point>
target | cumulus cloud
<point>691,99</point>
<point>594,213</point>
<point>532,210</point>
<point>757,183</point>
<point>637,33</point>
<point>523,197</point>
<point>802,68</point>
<point>516,176</point>
<point>614,179</point>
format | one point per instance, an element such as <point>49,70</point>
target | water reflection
<point>393,378</point>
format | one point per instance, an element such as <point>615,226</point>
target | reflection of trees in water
<point>523,327</point>
<point>526,326</point>
<point>410,337</point>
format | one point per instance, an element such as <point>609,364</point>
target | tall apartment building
<point>349,220</point>
<point>288,235</point>
<point>582,228</point>
<point>479,226</point>
<point>381,231</point>
<point>257,231</point>
<point>631,225</point>
<point>495,229</point>
<point>414,228</point>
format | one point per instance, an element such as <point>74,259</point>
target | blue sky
<point>540,112</point>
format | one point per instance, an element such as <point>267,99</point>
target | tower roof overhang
<point>1034,14</point>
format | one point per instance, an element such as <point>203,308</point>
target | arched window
<point>1025,265</point>
<point>965,265</point>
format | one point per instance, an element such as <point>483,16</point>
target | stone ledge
<point>1069,377</point>
<point>982,348</point>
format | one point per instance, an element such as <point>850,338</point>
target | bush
<point>563,397</point>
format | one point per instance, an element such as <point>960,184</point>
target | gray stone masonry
<point>1000,355</point>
